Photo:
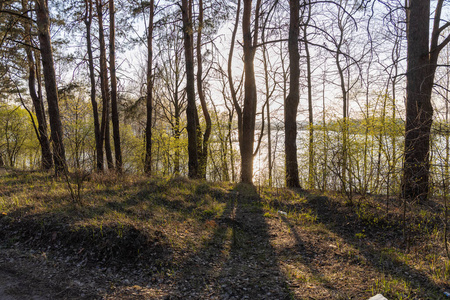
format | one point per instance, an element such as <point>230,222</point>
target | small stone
<point>378,297</point>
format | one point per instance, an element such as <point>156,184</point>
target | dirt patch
<point>25,275</point>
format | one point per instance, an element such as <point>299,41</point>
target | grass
<point>169,208</point>
<point>322,247</point>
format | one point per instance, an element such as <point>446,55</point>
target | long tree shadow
<point>237,261</point>
<point>305,253</point>
<point>345,223</point>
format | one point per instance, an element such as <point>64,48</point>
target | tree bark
<point>98,138</point>
<point>311,152</point>
<point>191,110</point>
<point>250,96</point>
<point>422,63</point>
<point>178,105</point>
<point>230,73</point>
<point>104,127</point>
<point>345,182</point>
<point>112,67</point>
<point>149,96</point>
<point>268,96</point>
<point>43,24</point>
<point>292,100</point>
<point>203,157</point>
<point>38,104</point>
<point>419,111</point>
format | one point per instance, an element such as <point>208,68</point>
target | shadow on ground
<point>237,261</point>
<point>343,222</point>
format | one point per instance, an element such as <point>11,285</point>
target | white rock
<point>378,297</point>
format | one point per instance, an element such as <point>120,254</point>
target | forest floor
<point>140,238</point>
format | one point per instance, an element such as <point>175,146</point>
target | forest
<point>214,149</point>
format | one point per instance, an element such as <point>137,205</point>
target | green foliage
<point>18,143</point>
<point>132,149</point>
<point>375,124</point>
<point>360,235</point>
<point>78,127</point>
<point>169,151</point>
<point>358,155</point>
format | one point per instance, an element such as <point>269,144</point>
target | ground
<point>138,238</point>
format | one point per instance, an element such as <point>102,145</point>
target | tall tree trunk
<point>98,137</point>
<point>38,104</point>
<point>230,73</point>
<point>291,101</point>
<point>191,110</point>
<point>104,128</point>
<point>250,96</point>
<point>393,162</point>
<point>43,24</point>
<point>112,67</point>
<point>177,116</point>
<point>47,160</point>
<point>268,96</point>
<point>236,105</point>
<point>419,111</point>
<point>269,145</point>
<point>311,152</point>
<point>345,128</point>
<point>364,186</point>
<point>324,136</point>
<point>149,97</point>
<point>203,158</point>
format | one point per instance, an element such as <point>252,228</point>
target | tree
<point>104,128</point>
<point>43,25</point>
<point>98,137</point>
<point>149,95</point>
<point>268,94</point>
<point>311,162</point>
<point>291,101</point>
<point>112,69</point>
<point>14,133</point>
<point>78,126</point>
<point>421,68</point>
<point>203,147</point>
<point>191,110</point>
<point>38,104</point>
<point>343,40</point>
<point>246,141</point>
<point>233,93</point>
<point>169,78</point>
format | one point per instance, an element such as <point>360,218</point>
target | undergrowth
<point>323,246</point>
